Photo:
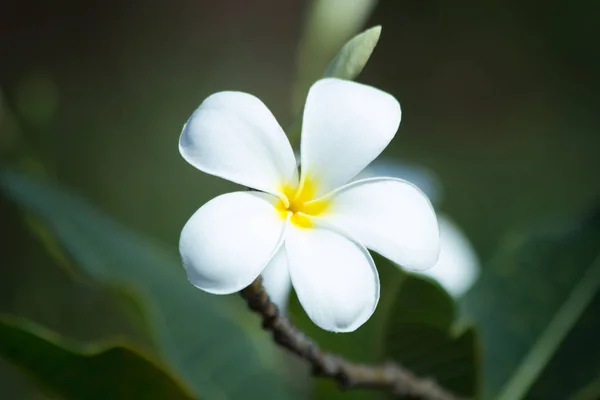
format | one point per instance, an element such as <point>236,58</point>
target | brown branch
<point>391,377</point>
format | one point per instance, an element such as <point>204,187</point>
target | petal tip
<point>347,325</point>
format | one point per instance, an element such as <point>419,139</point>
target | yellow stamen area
<point>300,203</point>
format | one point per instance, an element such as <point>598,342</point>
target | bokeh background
<point>500,101</point>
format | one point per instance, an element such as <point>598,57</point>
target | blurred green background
<point>499,98</point>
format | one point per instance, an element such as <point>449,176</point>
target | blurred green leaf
<point>420,300</point>
<point>353,57</point>
<point>9,131</point>
<point>413,325</point>
<point>530,299</point>
<point>107,372</point>
<point>37,98</point>
<point>573,364</point>
<point>213,342</point>
<point>590,391</point>
<point>420,336</point>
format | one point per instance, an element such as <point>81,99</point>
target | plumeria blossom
<point>314,226</point>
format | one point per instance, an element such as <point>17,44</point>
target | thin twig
<point>391,377</point>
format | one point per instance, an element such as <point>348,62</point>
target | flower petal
<point>228,242</point>
<point>233,135</point>
<point>389,216</point>
<point>345,126</point>
<point>458,266</point>
<point>276,280</point>
<point>334,277</point>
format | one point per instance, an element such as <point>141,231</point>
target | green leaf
<point>530,299</point>
<point>559,378</point>
<point>353,57</point>
<point>212,342</point>
<point>588,392</point>
<point>93,372</point>
<point>419,300</point>
<point>576,360</point>
<point>421,337</point>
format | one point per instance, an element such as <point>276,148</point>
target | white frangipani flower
<point>316,227</point>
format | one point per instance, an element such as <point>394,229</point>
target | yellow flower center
<point>301,204</point>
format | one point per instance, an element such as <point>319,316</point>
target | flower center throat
<point>301,204</point>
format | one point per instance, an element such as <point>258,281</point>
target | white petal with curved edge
<point>228,242</point>
<point>276,280</point>
<point>334,277</point>
<point>458,266</point>
<point>233,135</point>
<point>345,126</point>
<point>390,216</point>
